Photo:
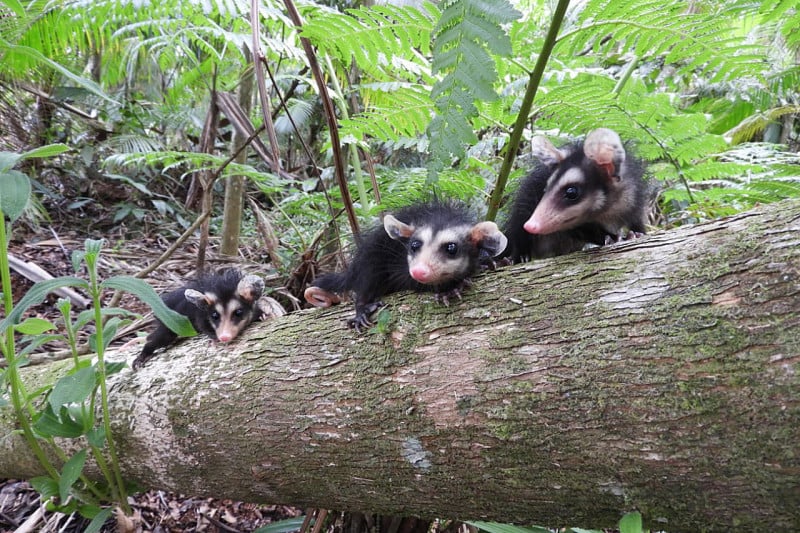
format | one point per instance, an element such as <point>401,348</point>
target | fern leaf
<point>467,31</point>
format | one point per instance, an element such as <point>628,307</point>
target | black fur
<point>223,284</point>
<point>524,246</point>
<point>380,263</point>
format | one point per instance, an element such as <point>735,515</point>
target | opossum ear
<point>197,298</point>
<point>604,147</point>
<point>543,149</point>
<point>320,297</point>
<point>396,229</point>
<point>250,288</point>
<point>487,236</point>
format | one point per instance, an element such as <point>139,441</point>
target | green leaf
<point>113,368</point>
<point>46,486</point>
<point>173,320</point>
<point>99,519</point>
<point>631,523</point>
<point>8,160</point>
<point>109,330</point>
<point>49,150</point>
<point>495,527</point>
<point>15,190</point>
<point>282,526</point>
<point>51,425</point>
<point>36,294</point>
<point>74,388</point>
<point>70,473</point>
<point>34,326</point>
<point>77,259</point>
<point>96,436</point>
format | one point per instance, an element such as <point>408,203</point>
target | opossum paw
<point>362,320</point>
<point>455,292</point>
<point>628,236</point>
<point>492,264</point>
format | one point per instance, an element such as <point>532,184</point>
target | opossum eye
<point>572,193</point>
<point>215,315</point>
<point>451,248</point>
<point>415,245</point>
<point>238,313</point>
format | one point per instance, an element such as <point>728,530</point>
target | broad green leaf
<point>50,425</point>
<point>34,326</point>
<point>96,437</point>
<point>36,341</point>
<point>8,160</point>
<point>495,527</point>
<point>173,320</point>
<point>70,473</point>
<point>109,330</point>
<point>113,368</point>
<point>631,523</point>
<point>99,519</point>
<point>46,486</point>
<point>15,190</point>
<point>74,388</point>
<point>282,526</point>
<point>46,151</point>
<point>36,294</point>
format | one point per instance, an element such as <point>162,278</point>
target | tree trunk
<point>234,185</point>
<point>659,375</point>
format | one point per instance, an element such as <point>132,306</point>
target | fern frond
<point>393,111</point>
<point>368,37</point>
<point>755,124</point>
<point>702,43</point>
<point>466,33</point>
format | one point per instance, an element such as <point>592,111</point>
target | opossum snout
<point>225,336</point>
<point>421,273</point>
<point>533,226</point>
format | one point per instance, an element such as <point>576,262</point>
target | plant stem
<point>16,387</point>
<point>525,108</point>
<point>116,482</point>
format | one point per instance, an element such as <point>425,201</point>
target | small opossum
<point>433,246</point>
<point>583,193</point>
<point>219,305</point>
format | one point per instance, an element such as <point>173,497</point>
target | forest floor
<point>50,248</point>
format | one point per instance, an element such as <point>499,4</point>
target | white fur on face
<point>432,264</point>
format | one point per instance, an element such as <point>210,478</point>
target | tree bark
<point>660,374</point>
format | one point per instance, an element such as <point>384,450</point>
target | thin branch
<point>525,109</point>
<point>330,115</point>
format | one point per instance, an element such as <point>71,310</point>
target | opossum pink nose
<point>532,226</point>
<point>225,337</point>
<point>421,273</point>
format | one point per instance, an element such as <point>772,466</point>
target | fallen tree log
<point>659,375</point>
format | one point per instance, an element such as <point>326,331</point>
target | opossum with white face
<point>590,192</point>
<point>434,247</point>
<point>218,305</point>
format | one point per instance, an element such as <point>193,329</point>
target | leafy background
<point>425,95</point>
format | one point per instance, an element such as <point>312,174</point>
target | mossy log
<point>661,374</point>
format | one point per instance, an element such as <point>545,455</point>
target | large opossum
<point>589,192</point>
<point>434,246</point>
<point>219,305</point>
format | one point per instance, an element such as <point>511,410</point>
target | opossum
<point>433,246</point>
<point>218,305</point>
<point>589,192</point>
